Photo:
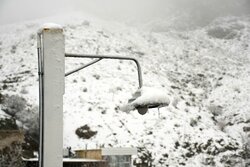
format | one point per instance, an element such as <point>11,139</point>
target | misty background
<point>197,51</point>
<point>178,13</point>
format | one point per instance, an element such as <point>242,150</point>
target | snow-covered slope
<point>205,72</point>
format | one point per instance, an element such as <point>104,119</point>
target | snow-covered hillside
<point>205,73</point>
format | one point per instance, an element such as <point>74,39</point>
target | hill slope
<point>205,72</point>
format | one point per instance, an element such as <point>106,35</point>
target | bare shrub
<point>1,98</point>
<point>8,124</point>
<point>12,156</point>
<point>11,148</point>
<point>85,132</point>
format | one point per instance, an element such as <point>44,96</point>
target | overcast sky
<point>19,10</point>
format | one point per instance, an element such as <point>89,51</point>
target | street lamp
<point>143,99</point>
<point>51,71</point>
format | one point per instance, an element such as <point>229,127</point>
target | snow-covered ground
<point>205,73</point>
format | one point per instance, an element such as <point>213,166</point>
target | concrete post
<point>51,52</point>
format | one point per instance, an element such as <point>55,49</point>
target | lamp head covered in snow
<point>145,98</point>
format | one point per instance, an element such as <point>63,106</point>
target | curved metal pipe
<point>111,57</point>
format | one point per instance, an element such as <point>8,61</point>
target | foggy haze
<point>20,10</point>
<point>196,12</point>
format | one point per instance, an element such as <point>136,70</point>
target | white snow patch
<point>3,114</point>
<point>51,26</point>
<point>151,95</point>
<point>147,96</point>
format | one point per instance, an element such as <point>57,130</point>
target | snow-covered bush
<point>17,108</point>
<point>24,91</point>
<point>229,29</point>
<point>28,118</point>
<point>30,121</point>
<point>216,110</point>
<point>13,49</point>
<point>221,33</point>
<point>246,153</point>
<point>14,104</point>
<point>145,158</point>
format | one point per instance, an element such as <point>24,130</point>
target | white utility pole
<point>51,61</point>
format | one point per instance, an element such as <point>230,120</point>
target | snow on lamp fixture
<point>146,98</point>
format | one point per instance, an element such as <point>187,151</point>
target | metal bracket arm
<point>104,57</point>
